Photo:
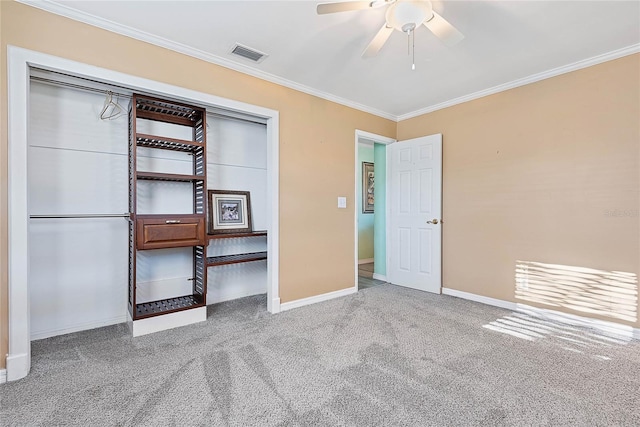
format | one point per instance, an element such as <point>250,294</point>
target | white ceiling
<point>507,43</point>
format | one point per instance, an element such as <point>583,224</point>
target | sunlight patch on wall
<point>612,294</point>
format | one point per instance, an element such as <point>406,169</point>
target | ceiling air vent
<point>248,53</point>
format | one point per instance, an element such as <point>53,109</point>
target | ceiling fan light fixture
<point>402,13</point>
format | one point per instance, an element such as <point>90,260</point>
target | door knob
<point>434,221</point>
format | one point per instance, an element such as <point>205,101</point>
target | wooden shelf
<point>167,111</point>
<point>170,305</point>
<point>160,117</point>
<point>155,176</point>
<point>153,141</point>
<point>236,235</point>
<point>235,259</point>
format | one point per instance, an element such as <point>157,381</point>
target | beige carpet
<point>386,356</point>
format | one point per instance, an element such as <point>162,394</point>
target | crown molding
<point>67,12</point>
<point>105,24</point>
<point>609,56</point>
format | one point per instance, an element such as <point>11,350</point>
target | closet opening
<point>69,257</point>
<point>78,191</point>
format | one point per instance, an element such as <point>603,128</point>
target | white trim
<point>365,261</point>
<point>380,277</point>
<point>366,143</point>
<point>387,213</point>
<point>78,327</point>
<point>154,324</point>
<point>275,305</point>
<point>595,60</point>
<point>355,211</point>
<point>369,138</point>
<point>19,61</point>
<point>372,137</point>
<point>19,355</point>
<point>273,213</point>
<point>3,376</point>
<point>318,298</point>
<point>18,365</point>
<point>479,298</point>
<point>513,306</point>
<point>87,18</point>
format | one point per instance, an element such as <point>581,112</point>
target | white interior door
<point>415,209</point>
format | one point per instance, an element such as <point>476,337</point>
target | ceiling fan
<point>401,15</point>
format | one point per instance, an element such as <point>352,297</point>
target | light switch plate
<point>342,202</point>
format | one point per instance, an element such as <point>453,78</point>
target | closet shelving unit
<point>159,231</point>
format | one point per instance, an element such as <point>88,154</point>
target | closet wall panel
<point>164,273</point>
<point>69,119</point>
<point>237,160</point>
<point>63,181</point>
<point>77,165</point>
<point>78,272</point>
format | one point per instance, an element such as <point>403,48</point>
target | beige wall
<point>312,229</point>
<point>547,172</point>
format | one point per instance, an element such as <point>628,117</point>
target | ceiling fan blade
<point>443,30</point>
<point>342,6</point>
<point>378,41</point>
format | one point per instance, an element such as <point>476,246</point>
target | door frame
<point>19,62</point>
<point>362,135</point>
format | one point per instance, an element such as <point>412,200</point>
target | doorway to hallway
<point>370,209</point>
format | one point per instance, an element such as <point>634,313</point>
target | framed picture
<point>229,211</point>
<point>368,185</point>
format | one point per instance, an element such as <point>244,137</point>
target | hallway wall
<point>365,220</point>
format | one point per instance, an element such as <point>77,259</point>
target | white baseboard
<point>3,376</point>
<point>318,298</point>
<point>479,298</point>
<point>168,321</point>
<point>380,277</point>
<point>585,321</point>
<point>78,327</point>
<point>365,261</point>
<point>274,308</point>
<point>18,366</point>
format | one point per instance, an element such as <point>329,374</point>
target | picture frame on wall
<point>229,211</point>
<point>368,187</point>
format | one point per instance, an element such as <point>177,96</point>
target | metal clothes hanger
<point>111,109</point>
